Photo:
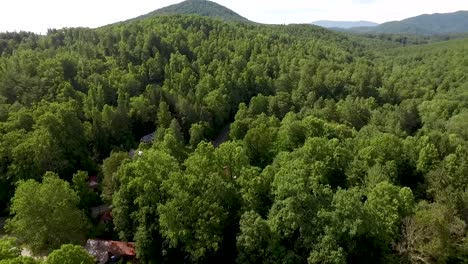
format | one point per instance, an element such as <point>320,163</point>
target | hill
<point>344,24</point>
<point>433,24</point>
<point>198,7</point>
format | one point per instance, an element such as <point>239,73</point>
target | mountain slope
<point>344,24</point>
<point>198,7</point>
<point>423,25</point>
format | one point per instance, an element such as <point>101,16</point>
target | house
<point>102,210</point>
<point>108,251</point>
<point>148,139</point>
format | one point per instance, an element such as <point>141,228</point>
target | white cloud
<point>38,15</point>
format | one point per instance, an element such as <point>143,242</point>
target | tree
<point>136,201</point>
<point>70,254</point>
<point>45,215</point>
<point>291,134</point>
<point>433,235</point>
<point>328,252</point>
<point>458,123</point>
<point>9,248</point>
<point>216,103</point>
<point>88,197</point>
<point>163,119</point>
<point>259,144</point>
<point>20,260</point>
<point>254,239</point>
<point>57,144</point>
<point>110,166</point>
<point>355,111</point>
<point>345,238</point>
<point>387,205</point>
<point>197,133</point>
<point>299,197</point>
<point>201,212</point>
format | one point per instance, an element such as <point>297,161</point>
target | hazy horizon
<point>38,16</point>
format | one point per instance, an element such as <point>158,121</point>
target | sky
<point>40,15</point>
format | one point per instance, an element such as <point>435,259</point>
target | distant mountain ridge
<point>432,24</point>
<point>198,7</point>
<point>344,24</point>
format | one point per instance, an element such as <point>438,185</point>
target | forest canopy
<point>269,144</point>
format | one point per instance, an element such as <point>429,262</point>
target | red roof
<point>93,181</point>
<point>102,249</point>
<point>123,248</point>
<point>93,178</point>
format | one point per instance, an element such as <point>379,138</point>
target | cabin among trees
<point>108,251</point>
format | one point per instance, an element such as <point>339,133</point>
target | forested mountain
<point>344,24</point>
<point>423,25</point>
<point>198,7</point>
<point>341,149</point>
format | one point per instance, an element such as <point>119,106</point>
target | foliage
<point>328,147</point>
<point>45,215</point>
<point>20,260</point>
<point>70,254</point>
<point>434,235</point>
<point>9,248</point>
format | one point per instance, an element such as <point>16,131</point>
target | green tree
<point>45,215</point>
<point>200,213</point>
<point>346,234</point>
<point>259,144</point>
<point>110,167</point>
<point>163,119</point>
<point>197,133</point>
<point>291,134</point>
<point>254,240</point>
<point>163,116</point>
<point>433,235</point>
<point>88,197</point>
<point>9,248</point>
<point>70,254</point>
<point>355,112</point>
<point>57,144</point>
<point>137,199</point>
<point>387,205</point>
<point>20,260</point>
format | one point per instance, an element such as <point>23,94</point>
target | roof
<point>123,248</point>
<point>93,181</point>
<point>148,139</point>
<point>103,249</point>
<point>100,210</point>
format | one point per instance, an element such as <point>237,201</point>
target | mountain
<point>198,7</point>
<point>344,24</point>
<point>433,24</point>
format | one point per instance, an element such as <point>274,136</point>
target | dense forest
<point>341,149</point>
